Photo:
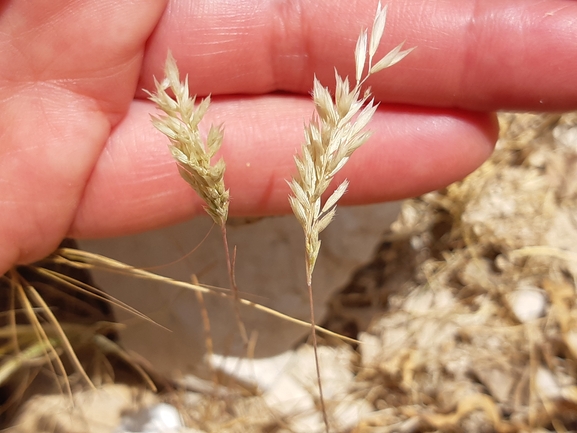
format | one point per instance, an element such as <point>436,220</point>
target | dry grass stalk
<point>336,130</point>
<point>206,327</point>
<point>22,290</point>
<point>193,155</point>
<point>37,338</point>
<point>86,260</point>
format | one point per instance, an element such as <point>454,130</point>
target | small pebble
<point>528,303</point>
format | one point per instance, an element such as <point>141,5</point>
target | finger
<point>136,186</point>
<point>477,55</point>
<point>91,50</point>
<point>69,71</point>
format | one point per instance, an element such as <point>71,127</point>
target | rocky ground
<point>466,321</point>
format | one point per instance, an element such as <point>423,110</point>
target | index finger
<point>477,55</point>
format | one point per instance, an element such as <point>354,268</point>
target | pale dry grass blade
<point>40,332</point>
<point>542,250</point>
<point>39,335</point>
<point>65,343</point>
<point>87,260</point>
<point>75,284</point>
<point>392,58</point>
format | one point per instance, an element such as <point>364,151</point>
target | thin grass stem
<point>316,354</point>
<point>39,331</point>
<point>233,286</point>
<point>86,260</point>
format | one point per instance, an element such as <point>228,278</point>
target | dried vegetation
<point>476,291</point>
<point>466,317</point>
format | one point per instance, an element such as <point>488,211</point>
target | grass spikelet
<point>192,154</point>
<point>336,130</point>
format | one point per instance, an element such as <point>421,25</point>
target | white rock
<point>371,349</point>
<point>546,384</point>
<point>419,301</point>
<point>527,303</point>
<point>102,409</point>
<point>566,136</point>
<point>160,418</point>
<point>269,270</point>
<point>289,386</point>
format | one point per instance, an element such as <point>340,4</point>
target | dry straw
<point>336,130</point>
<point>44,334</point>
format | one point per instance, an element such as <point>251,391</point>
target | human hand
<point>79,156</point>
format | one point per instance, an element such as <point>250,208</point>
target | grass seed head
<point>336,130</point>
<point>192,153</point>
